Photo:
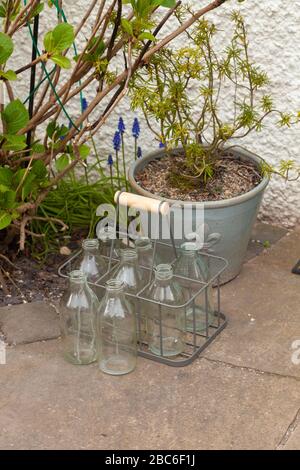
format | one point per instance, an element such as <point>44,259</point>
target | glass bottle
<point>130,274</point>
<point>78,310</point>
<point>191,265</point>
<point>128,271</point>
<point>165,324</point>
<point>92,264</point>
<point>106,236</point>
<point>116,331</point>
<point>144,250</point>
<point>145,253</point>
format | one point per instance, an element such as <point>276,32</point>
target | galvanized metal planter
<point>228,223</point>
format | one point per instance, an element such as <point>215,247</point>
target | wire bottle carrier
<point>195,341</point>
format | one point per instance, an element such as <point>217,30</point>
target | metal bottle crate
<point>195,341</point>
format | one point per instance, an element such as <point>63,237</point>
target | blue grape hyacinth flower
<point>117,141</point>
<point>110,160</point>
<point>139,152</point>
<point>136,130</point>
<point>121,126</point>
<point>84,104</point>
<point>161,145</point>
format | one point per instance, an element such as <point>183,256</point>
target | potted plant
<point>199,103</point>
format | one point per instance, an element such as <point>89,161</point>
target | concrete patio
<point>243,393</point>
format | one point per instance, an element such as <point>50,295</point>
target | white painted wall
<point>275,45</point>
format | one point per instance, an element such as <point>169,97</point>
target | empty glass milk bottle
<point>145,253</point>
<point>78,311</point>
<point>130,274</point>
<point>116,324</point>
<point>128,271</point>
<point>191,264</point>
<point>106,236</point>
<point>144,250</point>
<point>92,264</point>
<point>165,323</point>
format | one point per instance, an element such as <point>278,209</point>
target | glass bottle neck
<point>129,256</point>
<point>163,272</point>
<point>189,249</point>
<point>143,244</point>
<point>114,287</point>
<point>77,279</point>
<point>90,245</point>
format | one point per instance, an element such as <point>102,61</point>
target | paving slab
<point>26,323</point>
<point>263,308</point>
<point>264,235</point>
<point>46,403</point>
<point>282,255</point>
<point>243,394</point>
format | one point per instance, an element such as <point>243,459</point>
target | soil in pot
<point>232,177</point>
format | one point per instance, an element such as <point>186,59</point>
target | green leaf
<point>15,214</point>
<point>39,169</point>
<point>3,188</point>
<point>8,75</point>
<point>62,162</point>
<point>127,26</point>
<point>84,151</point>
<point>5,220</point>
<point>61,131</point>
<point>6,176</point>
<point>168,3</point>
<point>63,36</point>
<point>49,42</point>
<point>38,148</point>
<point>9,199</point>
<point>28,185</point>
<point>18,176</point>
<point>60,38</point>
<point>61,61</point>
<point>6,47</point>
<point>95,50</point>
<point>147,36</point>
<point>15,116</point>
<point>37,10</point>
<point>14,142</point>
<point>51,129</point>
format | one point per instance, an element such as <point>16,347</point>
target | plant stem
<point>124,162</point>
<point>135,148</point>
<point>118,169</point>
<point>111,176</point>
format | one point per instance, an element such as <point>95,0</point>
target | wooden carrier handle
<point>143,203</point>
